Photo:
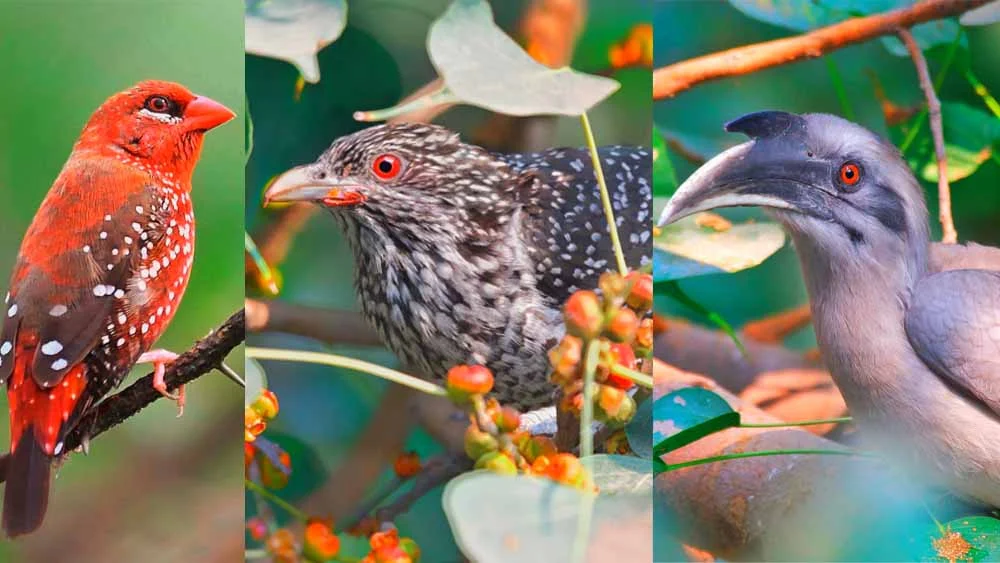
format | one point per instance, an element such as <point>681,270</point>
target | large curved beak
<point>303,184</point>
<point>204,113</point>
<point>775,170</point>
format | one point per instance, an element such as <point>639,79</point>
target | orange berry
<point>565,359</point>
<point>497,462</point>
<point>479,443</point>
<point>249,451</point>
<point>266,404</point>
<point>464,381</point>
<point>640,295</point>
<point>410,547</point>
<point>257,528</point>
<point>536,447</point>
<point>507,419</point>
<point>623,325</point>
<point>613,406</point>
<point>384,540</point>
<point>321,544</point>
<point>584,315</point>
<point>612,285</point>
<point>644,337</point>
<point>253,424</point>
<point>407,465</point>
<point>566,469</point>
<point>281,544</point>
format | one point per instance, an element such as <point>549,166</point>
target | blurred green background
<point>156,488</point>
<point>688,28</point>
<point>380,59</point>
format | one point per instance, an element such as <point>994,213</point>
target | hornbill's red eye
<point>386,166</point>
<point>850,174</point>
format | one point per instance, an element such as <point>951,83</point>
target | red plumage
<point>99,275</point>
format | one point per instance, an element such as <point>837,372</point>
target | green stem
<point>587,412</point>
<point>838,87</point>
<point>764,453</point>
<point>609,212</point>
<point>838,420</point>
<point>583,522</point>
<point>278,501</point>
<point>983,93</point>
<point>637,376</point>
<point>440,96</point>
<point>255,554</point>
<point>347,363</point>
<point>266,274</point>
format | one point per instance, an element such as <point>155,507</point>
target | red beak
<point>202,114</point>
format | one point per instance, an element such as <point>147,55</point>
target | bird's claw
<point>160,359</point>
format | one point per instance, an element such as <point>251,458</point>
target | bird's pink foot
<point>160,358</point>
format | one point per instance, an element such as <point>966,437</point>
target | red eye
<point>850,174</point>
<point>386,166</point>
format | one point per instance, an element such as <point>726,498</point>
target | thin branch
<point>949,235</point>
<point>327,325</point>
<point>206,355</point>
<point>672,79</point>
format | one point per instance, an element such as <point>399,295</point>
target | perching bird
<point>909,329</point>
<point>99,276</point>
<point>466,256</point>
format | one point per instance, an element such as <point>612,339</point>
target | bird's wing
<point>964,256</point>
<point>76,261</point>
<point>570,237</point>
<point>953,323</point>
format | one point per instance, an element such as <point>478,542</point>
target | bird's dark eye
<point>159,104</point>
<point>387,166</point>
<point>849,176</point>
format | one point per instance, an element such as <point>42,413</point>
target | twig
<point>327,325</point>
<point>949,235</point>
<point>207,354</point>
<point>437,472</point>
<point>672,79</point>
<point>683,151</point>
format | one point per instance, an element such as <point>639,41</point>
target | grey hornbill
<point>910,329</point>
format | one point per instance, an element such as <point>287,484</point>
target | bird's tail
<point>27,491</point>
<point>39,418</point>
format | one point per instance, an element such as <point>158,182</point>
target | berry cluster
<point>608,334</point>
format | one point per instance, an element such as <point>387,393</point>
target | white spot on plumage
<point>51,348</point>
<point>59,364</point>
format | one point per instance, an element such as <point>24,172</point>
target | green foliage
<point>497,518</point>
<point>638,430</point>
<point>689,414</point>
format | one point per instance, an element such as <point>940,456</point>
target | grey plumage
<point>466,256</point>
<point>909,329</point>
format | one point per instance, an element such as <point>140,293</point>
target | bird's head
<point>403,170</point>
<point>157,124</point>
<point>836,186</point>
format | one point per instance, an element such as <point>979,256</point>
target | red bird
<point>99,276</point>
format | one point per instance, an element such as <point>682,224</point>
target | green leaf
<point>637,430</point>
<point>687,415</point>
<point>256,380</point>
<point>969,136</point>
<point>484,67</point>
<point>307,469</point>
<point>664,177</point>
<point>983,15</point>
<point>497,518</point>
<point>683,249</point>
<point>294,30</point>
<point>982,534</point>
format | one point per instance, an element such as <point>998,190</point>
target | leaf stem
<point>763,453</point>
<point>347,363</point>
<point>278,501</point>
<point>983,93</point>
<point>837,420</point>
<point>637,376</point>
<point>587,412</point>
<point>609,211</point>
<point>436,97</point>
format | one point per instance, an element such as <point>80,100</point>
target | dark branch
<point>207,354</point>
